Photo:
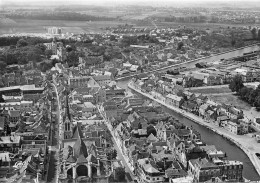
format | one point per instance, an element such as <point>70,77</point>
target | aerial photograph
<point>129,91</point>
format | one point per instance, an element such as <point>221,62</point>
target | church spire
<point>67,119</point>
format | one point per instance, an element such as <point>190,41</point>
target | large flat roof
<point>10,88</point>
<point>30,87</point>
<point>23,88</point>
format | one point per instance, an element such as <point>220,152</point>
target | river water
<point>211,138</point>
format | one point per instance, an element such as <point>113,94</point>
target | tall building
<point>67,122</point>
<point>55,47</point>
<point>61,52</point>
<point>54,30</point>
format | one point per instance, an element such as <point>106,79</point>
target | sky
<point>121,2</point>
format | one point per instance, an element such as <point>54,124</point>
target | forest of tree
<point>132,40</point>
<point>250,95</point>
<point>70,16</point>
<point>8,41</point>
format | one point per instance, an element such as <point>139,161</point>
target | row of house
<point>223,115</point>
<point>167,150</point>
<point>21,78</point>
<point>24,139</point>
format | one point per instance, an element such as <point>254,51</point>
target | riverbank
<point>244,142</point>
<point>223,55</point>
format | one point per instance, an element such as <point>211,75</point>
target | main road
<point>53,169</point>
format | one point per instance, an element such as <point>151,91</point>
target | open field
<point>211,26</point>
<point>249,112</point>
<point>211,90</point>
<point>232,99</point>
<point>110,14</point>
<point>39,26</point>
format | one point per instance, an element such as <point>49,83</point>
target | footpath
<point>244,142</point>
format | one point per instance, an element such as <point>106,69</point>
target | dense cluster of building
<point>20,76</point>
<point>25,123</point>
<point>85,140</point>
<point>224,115</point>
<point>159,148</point>
<point>91,117</point>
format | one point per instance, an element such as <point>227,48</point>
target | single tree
<point>1,98</point>
<point>236,84</point>
<point>254,34</point>
<point>21,43</point>
<point>180,45</point>
<point>120,174</point>
<point>2,65</point>
<point>48,53</point>
<point>150,129</point>
<point>252,96</point>
<point>112,38</point>
<point>243,92</point>
<point>257,102</point>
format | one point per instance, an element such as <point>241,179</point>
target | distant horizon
<point>109,3</point>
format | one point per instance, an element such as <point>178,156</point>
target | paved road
<point>52,167</point>
<point>120,156</point>
<point>53,170</point>
<point>119,150</point>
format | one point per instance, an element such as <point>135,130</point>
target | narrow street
<point>52,167</point>
<point>130,176</point>
<point>121,157</point>
<point>52,173</point>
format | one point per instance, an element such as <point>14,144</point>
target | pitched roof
<point>203,163</point>
<point>171,172</point>
<point>71,159</point>
<point>92,158</point>
<point>14,113</point>
<point>80,148</point>
<point>93,150</point>
<point>2,122</point>
<point>83,91</point>
<point>101,77</point>
<point>88,105</point>
<point>81,159</point>
<point>77,133</point>
<point>161,143</point>
<point>147,165</point>
<point>151,137</point>
<point>181,132</point>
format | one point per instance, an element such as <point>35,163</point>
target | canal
<point>211,138</point>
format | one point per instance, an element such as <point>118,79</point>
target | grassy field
<point>212,90</point>
<point>39,26</point>
<point>232,99</point>
<point>211,26</point>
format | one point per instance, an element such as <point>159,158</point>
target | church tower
<point>67,122</point>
